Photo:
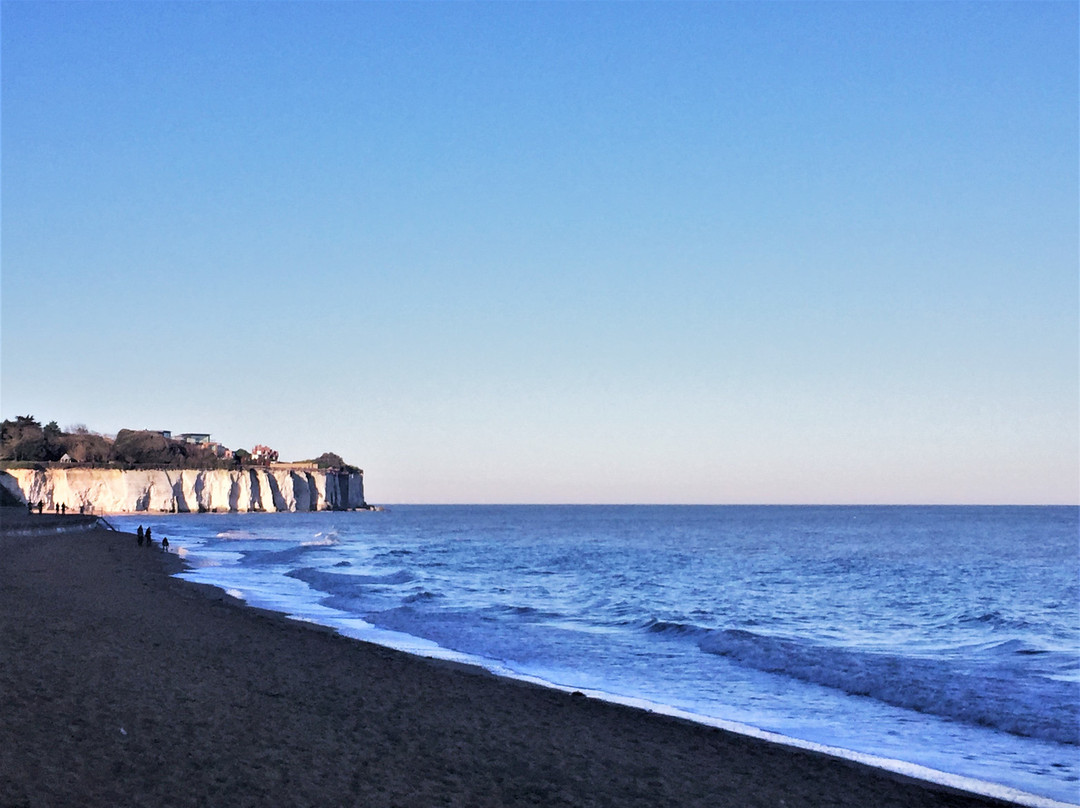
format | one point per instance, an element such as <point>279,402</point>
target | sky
<point>557,252</point>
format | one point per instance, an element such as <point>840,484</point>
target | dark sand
<point>122,686</point>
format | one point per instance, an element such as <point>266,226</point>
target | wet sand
<point>122,686</point>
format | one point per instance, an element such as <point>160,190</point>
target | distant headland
<point>45,467</point>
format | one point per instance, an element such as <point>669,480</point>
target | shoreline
<point>124,683</point>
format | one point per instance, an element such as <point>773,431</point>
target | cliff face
<point>187,490</point>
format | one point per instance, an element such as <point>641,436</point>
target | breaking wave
<point>338,583</point>
<point>964,690</point>
<point>236,535</point>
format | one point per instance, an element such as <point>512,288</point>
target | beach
<point>121,685</point>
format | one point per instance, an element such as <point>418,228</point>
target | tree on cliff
<point>54,441</point>
<point>21,439</point>
<point>86,447</point>
<point>146,448</point>
<point>330,460</point>
<point>25,439</point>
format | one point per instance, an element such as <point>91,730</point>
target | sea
<point>941,642</point>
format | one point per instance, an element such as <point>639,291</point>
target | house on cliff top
<point>263,454</point>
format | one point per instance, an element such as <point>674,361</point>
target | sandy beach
<point>122,686</point>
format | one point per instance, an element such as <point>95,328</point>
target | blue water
<point>943,637</point>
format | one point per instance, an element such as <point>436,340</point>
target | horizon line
<point>742,504</point>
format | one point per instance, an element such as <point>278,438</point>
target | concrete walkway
<point>17,521</point>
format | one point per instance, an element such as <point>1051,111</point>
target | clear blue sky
<point>557,252</point>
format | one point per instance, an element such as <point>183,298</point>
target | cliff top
<point>24,442</point>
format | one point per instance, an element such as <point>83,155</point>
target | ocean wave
<point>675,628</point>
<point>324,541</point>
<point>289,554</point>
<point>1036,707</point>
<point>236,535</point>
<point>530,613</point>
<point>323,538</point>
<point>1010,647</point>
<point>338,583</point>
<point>994,620</point>
<point>421,597</point>
<point>472,632</point>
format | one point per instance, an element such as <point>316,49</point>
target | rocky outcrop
<point>187,490</point>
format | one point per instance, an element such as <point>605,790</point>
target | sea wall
<point>187,490</point>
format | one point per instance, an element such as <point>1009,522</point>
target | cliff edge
<point>187,490</point>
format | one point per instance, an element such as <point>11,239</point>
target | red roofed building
<point>263,454</point>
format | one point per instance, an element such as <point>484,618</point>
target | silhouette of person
<point>165,543</point>
<point>149,541</point>
<point>139,536</point>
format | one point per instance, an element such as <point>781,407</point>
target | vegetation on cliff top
<point>24,441</point>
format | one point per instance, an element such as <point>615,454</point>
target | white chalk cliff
<point>187,490</point>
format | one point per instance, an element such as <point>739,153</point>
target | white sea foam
<point>325,541</point>
<point>236,535</point>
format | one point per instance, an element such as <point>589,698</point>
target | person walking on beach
<point>139,536</point>
<point>149,541</point>
<point>165,543</point>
